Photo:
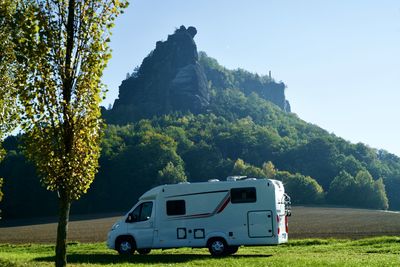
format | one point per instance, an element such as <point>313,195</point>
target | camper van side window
<point>176,207</point>
<point>243,195</point>
<point>145,213</point>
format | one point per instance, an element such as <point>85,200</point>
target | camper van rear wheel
<point>144,251</point>
<point>217,247</point>
<point>125,245</point>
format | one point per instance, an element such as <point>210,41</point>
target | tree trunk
<point>64,200</point>
<point>62,230</point>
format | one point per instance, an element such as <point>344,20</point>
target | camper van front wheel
<point>125,245</point>
<point>217,247</point>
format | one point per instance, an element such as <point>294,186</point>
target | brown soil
<point>305,222</point>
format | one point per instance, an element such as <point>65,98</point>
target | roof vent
<point>251,179</point>
<point>213,180</point>
<point>235,178</point>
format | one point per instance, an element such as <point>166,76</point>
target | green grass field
<point>318,236</point>
<point>377,251</point>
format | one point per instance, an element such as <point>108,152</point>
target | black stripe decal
<point>200,193</point>
<point>220,207</point>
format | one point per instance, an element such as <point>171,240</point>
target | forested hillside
<point>243,130</point>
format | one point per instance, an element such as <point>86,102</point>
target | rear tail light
<point>287,224</point>
<point>277,223</point>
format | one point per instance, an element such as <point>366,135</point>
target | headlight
<point>115,226</point>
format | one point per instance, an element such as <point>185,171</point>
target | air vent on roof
<point>213,180</point>
<point>235,178</point>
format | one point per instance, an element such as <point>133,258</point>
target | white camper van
<point>219,215</point>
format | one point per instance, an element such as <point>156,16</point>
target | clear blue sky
<point>340,59</point>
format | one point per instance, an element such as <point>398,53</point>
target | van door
<point>260,223</point>
<point>141,224</point>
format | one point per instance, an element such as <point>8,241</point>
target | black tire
<point>217,247</point>
<point>232,250</point>
<point>125,246</point>
<point>144,251</point>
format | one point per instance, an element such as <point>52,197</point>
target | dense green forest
<point>241,133</point>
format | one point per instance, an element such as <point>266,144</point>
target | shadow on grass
<point>151,259</point>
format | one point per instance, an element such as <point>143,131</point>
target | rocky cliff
<point>173,78</point>
<point>169,79</point>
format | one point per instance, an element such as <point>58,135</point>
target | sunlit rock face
<point>173,79</point>
<point>169,79</point>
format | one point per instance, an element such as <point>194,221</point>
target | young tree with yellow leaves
<point>62,47</point>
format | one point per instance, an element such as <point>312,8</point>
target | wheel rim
<point>218,246</point>
<point>125,246</point>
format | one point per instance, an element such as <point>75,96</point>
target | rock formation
<point>172,78</point>
<point>169,79</point>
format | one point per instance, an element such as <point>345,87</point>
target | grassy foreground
<point>378,251</point>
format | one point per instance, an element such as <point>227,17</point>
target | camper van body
<point>209,214</point>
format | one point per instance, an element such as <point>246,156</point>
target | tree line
<point>195,148</point>
<point>239,135</point>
